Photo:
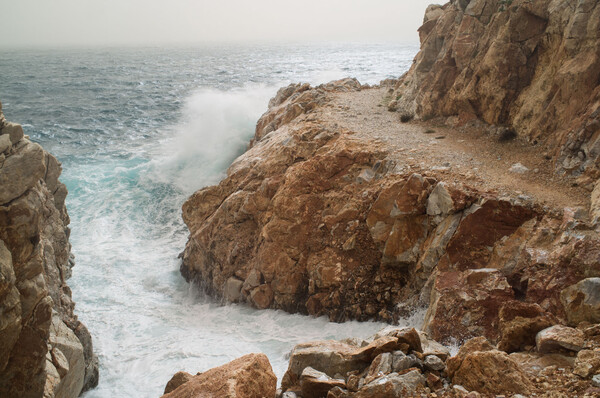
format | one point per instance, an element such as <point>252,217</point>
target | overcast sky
<point>160,22</point>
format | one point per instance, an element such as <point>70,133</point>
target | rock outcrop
<point>532,67</point>
<point>250,376</point>
<point>44,349</point>
<point>402,362</point>
<point>317,220</point>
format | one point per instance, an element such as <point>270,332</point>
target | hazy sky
<point>158,22</point>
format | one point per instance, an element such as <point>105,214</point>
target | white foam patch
<point>215,127</point>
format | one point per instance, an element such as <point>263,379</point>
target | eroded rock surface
<point>321,220</point>
<point>530,66</point>
<point>44,349</point>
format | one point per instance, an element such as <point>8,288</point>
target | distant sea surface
<point>137,131</point>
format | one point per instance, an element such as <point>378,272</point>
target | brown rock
<point>519,324</point>
<point>379,346</point>
<point>10,306</point>
<point>491,372</point>
<point>595,202</point>
<point>233,290</point>
<point>262,296</point>
<point>587,363</point>
<point>392,385</point>
<point>536,364</point>
<point>434,382</point>
<point>250,376</point>
<point>466,304</point>
<point>518,65</point>
<point>331,357</point>
<point>380,366</point>
<point>177,380</point>
<point>317,384</point>
<point>476,344</point>
<point>481,227</point>
<point>21,171</point>
<point>559,337</point>
<point>582,301</point>
<point>14,131</point>
<point>44,349</point>
<point>432,347</point>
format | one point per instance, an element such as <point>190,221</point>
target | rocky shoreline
<point>503,275</point>
<point>403,362</point>
<point>44,350</point>
<point>326,215</point>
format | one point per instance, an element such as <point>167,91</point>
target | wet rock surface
<point>44,349</point>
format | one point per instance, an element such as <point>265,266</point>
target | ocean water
<point>137,131</point>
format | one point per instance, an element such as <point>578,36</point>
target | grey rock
<point>559,337</point>
<point>316,384</point>
<point>233,290</point>
<point>380,366</point>
<point>401,385</point>
<point>329,356</point>
<point>518,168</point>
<point>434,363</point>
<point>582,301</point>
<point>67,358</point>
<point>596,380</point>
<point>401,361</point>
<point>440,202</point>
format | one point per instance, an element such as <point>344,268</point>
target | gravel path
<point>471,156</point>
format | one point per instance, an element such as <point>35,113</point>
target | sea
<point>138,130</point>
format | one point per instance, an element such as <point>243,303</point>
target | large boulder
<point>559,337</point>
<point>330,356</point>
<point>250,376</point>
<point>480,367</point>
<point>582,301</point>
<point>519,324</point>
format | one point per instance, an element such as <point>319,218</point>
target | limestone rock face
<point>44,349</point>
<point>250,376</point>
<point>317,220</point>
<point>531,65</point>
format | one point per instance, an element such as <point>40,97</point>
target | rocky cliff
<point>324,218</point>
<point>532,66</point>
<point>44,349</point>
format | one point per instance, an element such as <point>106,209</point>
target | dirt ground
<point>470,155</point>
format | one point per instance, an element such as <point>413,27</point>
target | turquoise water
<point>137,131</point>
